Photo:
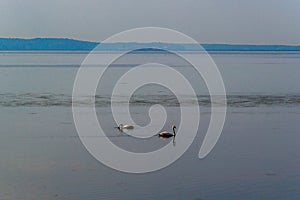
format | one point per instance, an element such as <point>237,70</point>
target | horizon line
<point>138,42</point>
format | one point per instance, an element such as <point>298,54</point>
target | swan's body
<point>126,126</point>
<point>166,134</point>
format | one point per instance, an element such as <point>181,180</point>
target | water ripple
<point>48,100</point>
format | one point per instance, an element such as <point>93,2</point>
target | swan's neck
<point>174,131</point>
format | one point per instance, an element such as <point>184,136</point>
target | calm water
<point>257,156</point>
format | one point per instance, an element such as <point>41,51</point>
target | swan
<point>126,126</point>
<point>166,134</point>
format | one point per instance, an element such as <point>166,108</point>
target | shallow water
<point>257,156</point>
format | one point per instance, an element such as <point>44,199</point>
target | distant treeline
<point>17,44</point>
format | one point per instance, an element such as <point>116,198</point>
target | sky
<point>207,21</point>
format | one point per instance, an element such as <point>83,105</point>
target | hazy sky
<point>207,21</point>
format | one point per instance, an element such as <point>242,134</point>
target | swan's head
<point>120,126</point>
<point>174,127</point>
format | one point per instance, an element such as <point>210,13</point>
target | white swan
<point>126,126</point>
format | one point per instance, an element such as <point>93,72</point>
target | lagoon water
<point>257,156</point>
